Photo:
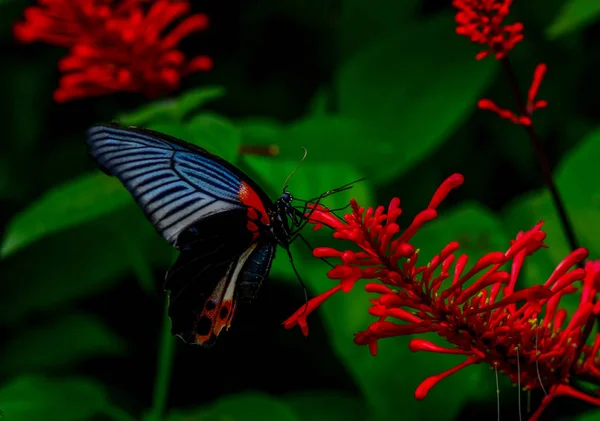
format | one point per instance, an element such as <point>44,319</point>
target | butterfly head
<point>280,223</point>
<point>286,198</point>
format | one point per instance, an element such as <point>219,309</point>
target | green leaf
<point>78,263</point>
<point>67,341</point>
<point>172,110</point>
<point>574,15</point>
<point>319,104</point>
<point>216,134</point>
<point>327,405</point>
<point>330,138</point>
<point>259,130</point>
<point>242,407</point>
<point>477,230</point>
<point>396,372</point>
<point>576,175</point>
<point>73,203</point>
<point>410,92</point>
<point>593,415</point>
<point>30,398</point>
<point>360,21</point>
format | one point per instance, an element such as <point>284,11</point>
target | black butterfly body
<point>224,225</point>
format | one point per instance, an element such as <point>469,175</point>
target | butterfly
<point>223,224</point>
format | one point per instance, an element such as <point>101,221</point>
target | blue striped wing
<point>175,184</point>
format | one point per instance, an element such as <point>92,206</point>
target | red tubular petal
<point>421,218</point>
<point>538,76</point>
<point>580,317</point>
<point>515,269</point>
<point>402,314</point>
<point>321,215</point>
<point>545,402</point>
<point>373,347</point>
<point>200,63</point>
<point>559,319</point>
<point>378,288</point>
<point>531,241</point>
<point>567,279</point>
<point>494,258</point>
<point>568,262</point>
<point>427,384</point>
<point>449,249</point>
<point>450,183</point>
<point>348,281</point>
<point>394,210</point>
<point>422,345</point>
<point>597,308</point>
<point>326,252</point>
<point>590,283</point>
<point>299,317</point>
<point>385,329</point>
<point>458,270</point>
<point>565,390</point>
<point>400,249</point>
<point>191,24</point>
<point>498,277</point>
<point>339,272</point>
<point>533,295</point>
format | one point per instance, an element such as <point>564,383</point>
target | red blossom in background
<point>532,103</point>
<point>481,21</point>
<point>475,310</point>
<point>115,46</point>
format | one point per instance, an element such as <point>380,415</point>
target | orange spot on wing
<point>250,198</point>
<point>219,310</point>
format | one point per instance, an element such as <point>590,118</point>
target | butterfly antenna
<point>342,188</point>
<point>332,191</point>
<point>300,279</point>
<point>285,184</point>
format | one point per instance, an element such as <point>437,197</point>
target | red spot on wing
<point>256,209</point>
<point>219,310</point>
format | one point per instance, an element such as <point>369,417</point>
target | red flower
<point>481,21</point>
<point>474,310</point>
<point>531,106</point>
<point>115,46</point>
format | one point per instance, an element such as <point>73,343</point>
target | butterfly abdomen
<point>255,271</point>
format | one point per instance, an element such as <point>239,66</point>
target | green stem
<point>163,369</point>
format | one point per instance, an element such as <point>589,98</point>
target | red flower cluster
<point>115,45</point>
<point>531,106</point>
<point>481,21</point>
<point>475,310</point>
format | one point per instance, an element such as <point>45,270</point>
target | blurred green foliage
<point>383,90</point>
